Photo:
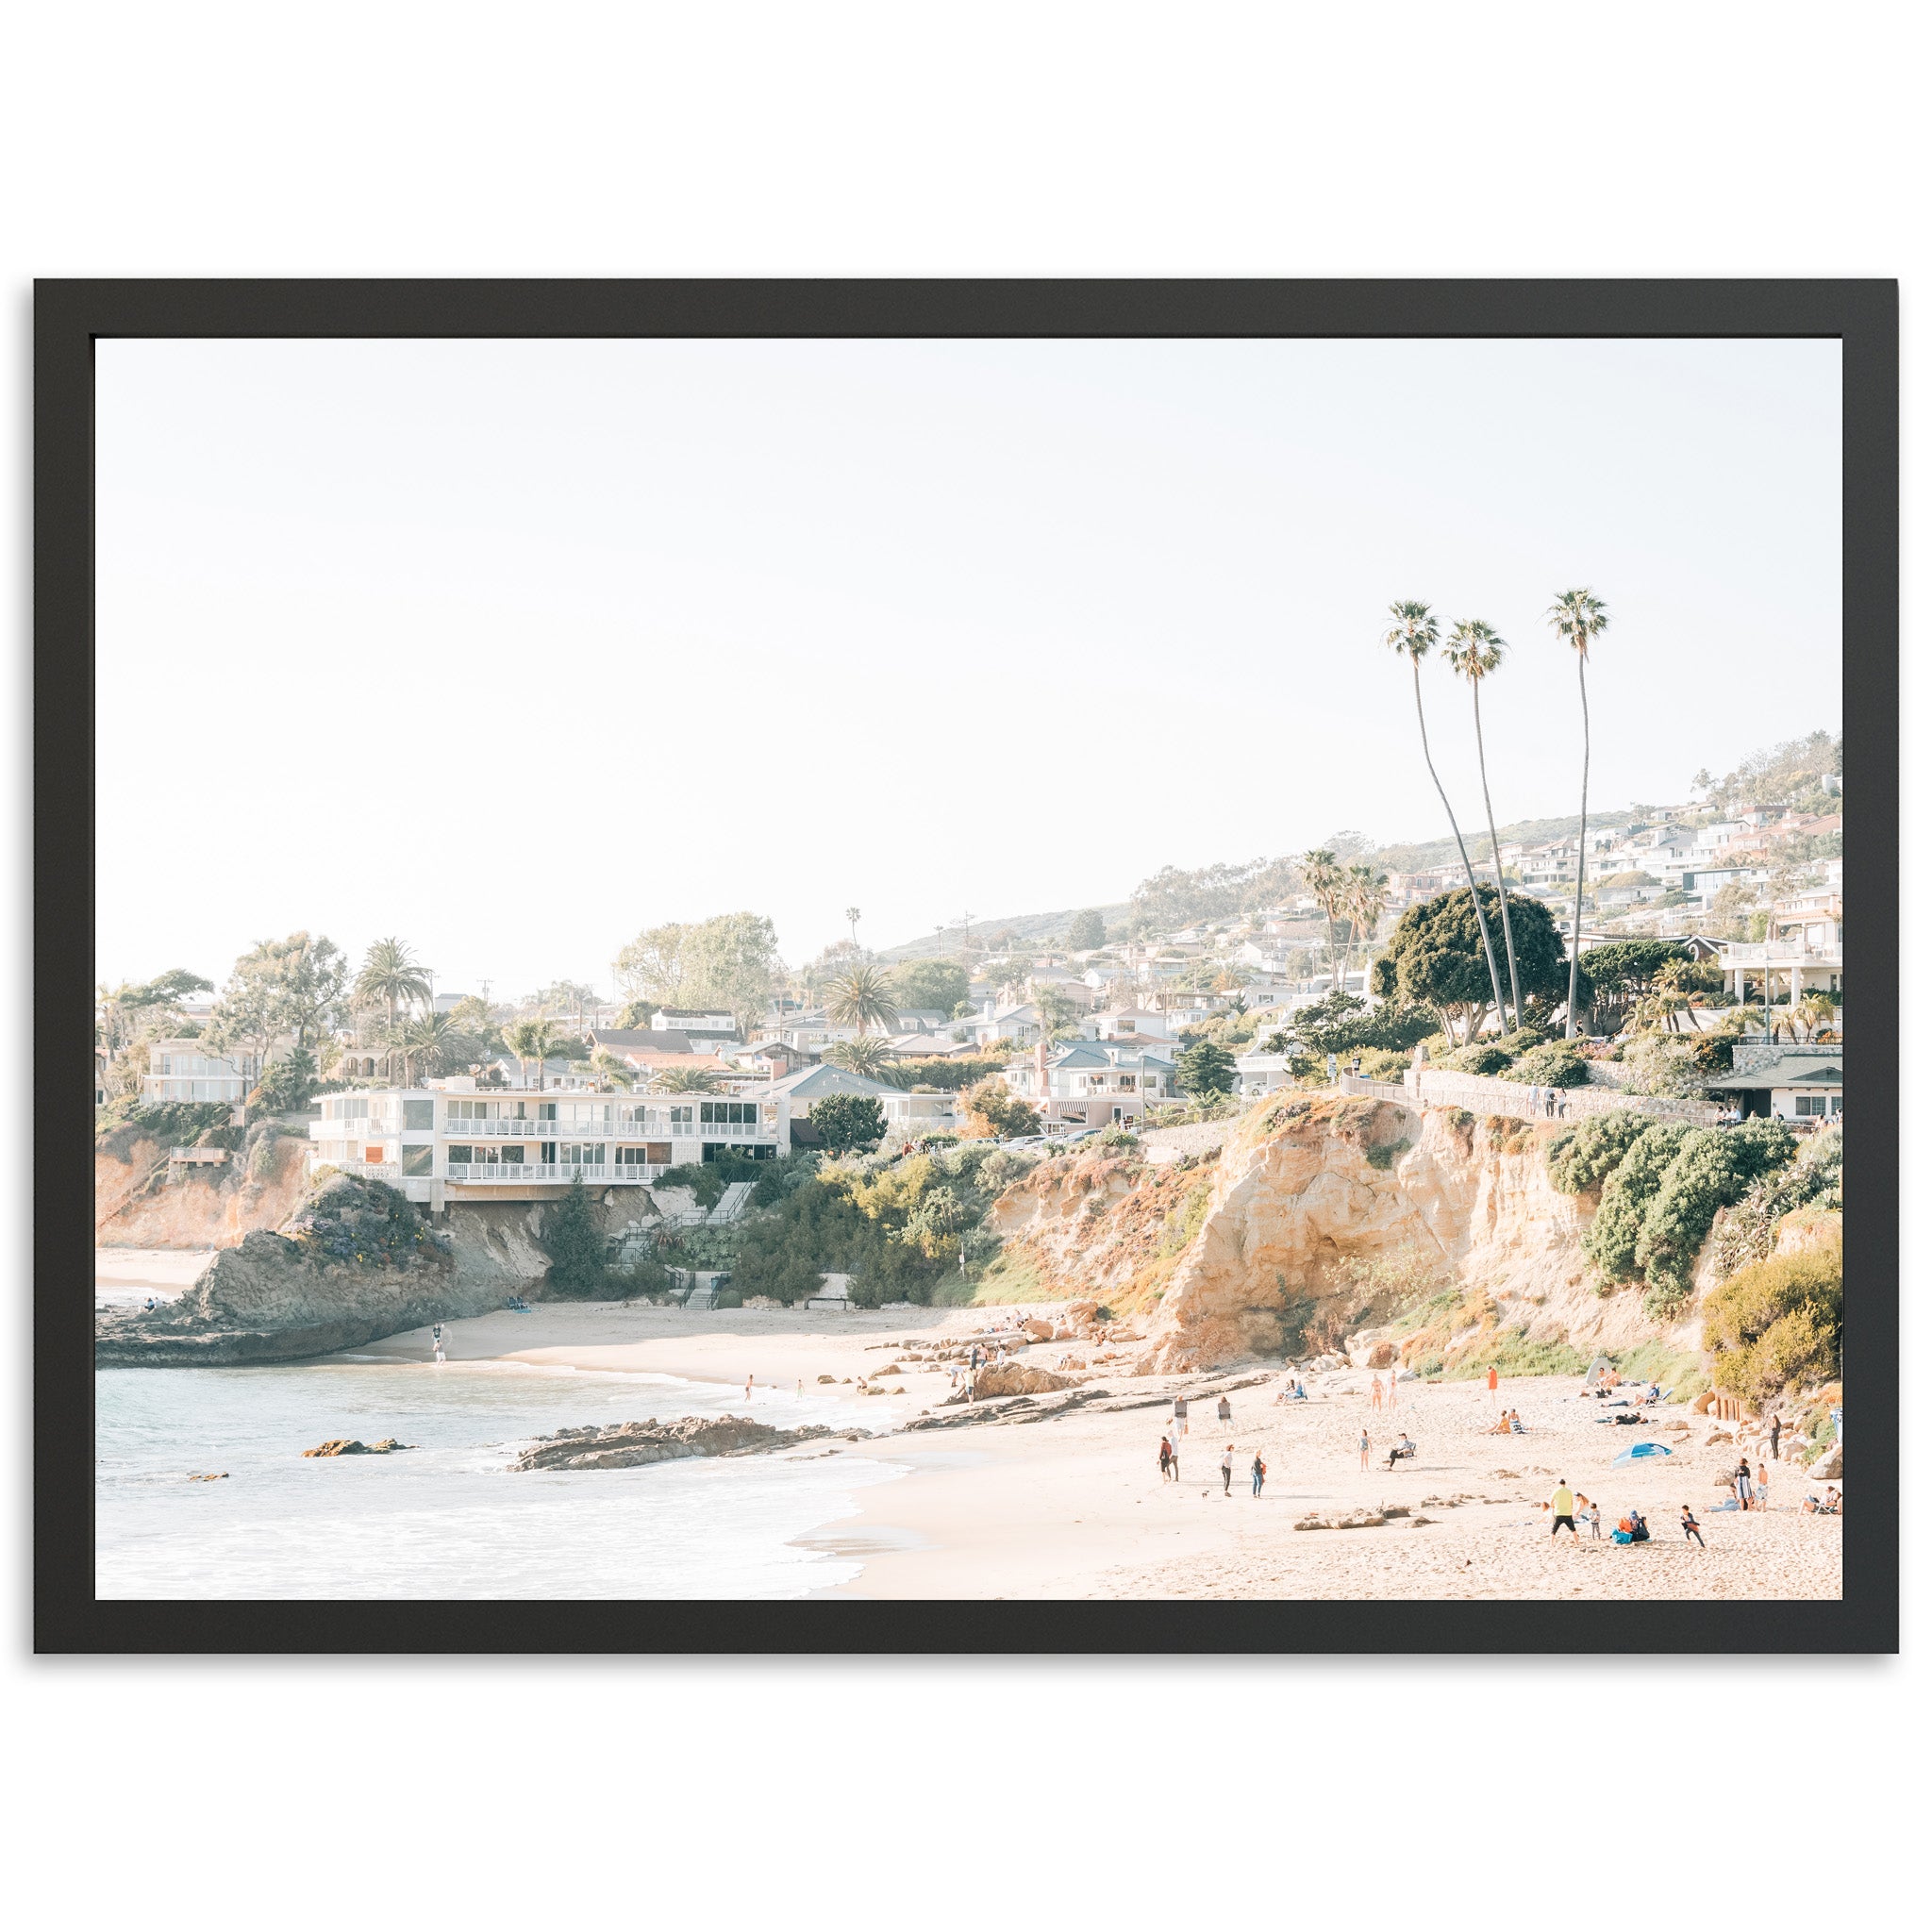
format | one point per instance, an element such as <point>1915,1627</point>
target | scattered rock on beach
<point>624,1446</point>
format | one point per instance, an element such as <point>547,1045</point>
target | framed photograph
<point>966,966</point>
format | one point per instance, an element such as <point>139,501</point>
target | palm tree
<point>861,996</point>
<point>852,924</point>
<point>1323,877</point>
<point>1413,636</point>
<point>611,1070</point>
<point>866,1055</point>
<point>534,1040</point>
<point>1817,1012</point>
<point>685,1080</point>
<point>432,1041</point>
<point>391,977</point>
<point>1363,894</point>
<point>1475,652</point>
<point>1578,617</point>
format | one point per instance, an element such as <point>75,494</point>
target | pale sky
<point>514,648</point>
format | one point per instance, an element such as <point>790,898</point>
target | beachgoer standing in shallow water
<point>1259,1471</point>
<point>1365,1449</point>
<point>1375,1392</point>
<point>435,1338</point>
<point>1227,1471</point>
<point>747,1388</point>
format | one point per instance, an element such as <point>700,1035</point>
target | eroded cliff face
<point>138,1205</point>
<point>1317,1217</point>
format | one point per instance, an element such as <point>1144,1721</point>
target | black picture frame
<point>69,316</point>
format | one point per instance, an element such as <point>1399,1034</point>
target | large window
<point>728,1113</point>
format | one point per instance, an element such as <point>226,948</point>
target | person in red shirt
<point>1492,1385</point>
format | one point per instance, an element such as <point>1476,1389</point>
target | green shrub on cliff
<point>1585,1156</point>
<point>1777,1324</point>
<point>1711,1170</point>
<point>174,1122</point>
<point>1485,1058</point>
<point>1554,1065</point>
<point>1748,1231</point>
<point>1610,1241</point>
<point>348,1219</point>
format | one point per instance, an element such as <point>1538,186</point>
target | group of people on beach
<point>1171,1468</point>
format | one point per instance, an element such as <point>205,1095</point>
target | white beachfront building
<point>456,1141</point>
<point>185,1070</point>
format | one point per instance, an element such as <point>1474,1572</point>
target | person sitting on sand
<point>1516,1427</point>
<point>1301,1394</point>
<point>1640,1530</point>
<point>1402,1449</point>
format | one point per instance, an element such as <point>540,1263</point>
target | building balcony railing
<point>625,1173</point>
<point>1780,953</point>
<point>369,1169</point>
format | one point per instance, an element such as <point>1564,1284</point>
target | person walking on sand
<point>1375,1392</point>
<point>1257,1469</point>
<point>1391,1387</point>
<point>1365,1449</point>
<point>1180,1414</point>
<point>1492,1385</point>
<point>1562,1507</point>
<point>1778,1423</point>
<point>1691,1527</point>
<point>1227,1471</point>
<point>1224,1410</point>
<point>1166,1458</point>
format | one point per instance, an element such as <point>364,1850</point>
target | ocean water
<point>447,1519</point>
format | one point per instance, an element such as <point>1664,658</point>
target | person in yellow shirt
<point>1562,1506</point>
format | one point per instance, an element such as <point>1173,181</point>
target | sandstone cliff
<point>1320,1217</point>
<point>137,1204</point>
<point>355,1262</point>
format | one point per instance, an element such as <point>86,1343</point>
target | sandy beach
<point>1075,1506</point>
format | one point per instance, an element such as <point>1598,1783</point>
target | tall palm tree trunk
<point>1482,924</point>
<point>1582,849</point>
<point>1496,856</point>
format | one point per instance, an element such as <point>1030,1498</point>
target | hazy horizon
<point>922,626</point>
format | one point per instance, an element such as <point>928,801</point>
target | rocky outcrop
<point>348,1445</point>
<point>1015,1378</point>
<point>355,1262</point>
<point>624,1446</point>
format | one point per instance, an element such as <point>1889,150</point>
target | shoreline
<point>1073,1507</point>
